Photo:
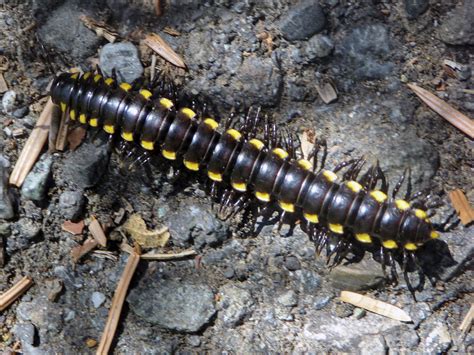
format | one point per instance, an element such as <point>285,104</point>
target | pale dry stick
<point>453,116</point>
<point>160,256</point>
<point>63,130</point>
<point>375,306</point>
<point>14,292</point>
<point>152,67</point>
<point>97,232</point>
<point>467,321</point>
<point>462,206</point>
<point>33,146</point>
<point>3,84</point>
<point>117,304</point>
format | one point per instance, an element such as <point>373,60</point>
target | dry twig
<point>159,256</point>
<point>375,306</point>
<point>33,146</point>
<point>81,250</point>
<point>450,114</point>
<point>100,28</point>
<point>462,206</point>
<point>14,292</point>
<point>467,321</point>
<point>117,304</point>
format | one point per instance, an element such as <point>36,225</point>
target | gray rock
<point>302,20</point>
<point>288,298</point>
<point>458,26</point>
<point>24,232</point>
<point>318,46</point>
<point>71,204</point>
<point>402,337</point>
<point>359,313</point>
<point>368,48</point>
<point>25,332</point>
<point>36,182</point>
<point>64,31</point>
<point>438,339</point>
<point>357,277</point>
<point>123,57</point>
<point>292,263</point>
<point>21,112</point>
<point>8,101</point>
<point>86,165</point>
<point>200,226</point>
<point>174,305</point>
<point>373,344</point>
<point>235,305</point>
<point>415,8</point>
<point>307,281</point>
<point>7,210</point>
<point>97,299</point>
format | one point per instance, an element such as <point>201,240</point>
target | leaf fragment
<point>135,226</point>
<point>162,48</point>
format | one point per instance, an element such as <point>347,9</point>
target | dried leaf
<point>136,227</point>
<point>73,228</point>
<point>163,49</point>
<point>462,206</point>
<point>375,306</point>
<point>307,139</point>
<point>3,84</point>
<point>76,137</point>
<point>453,116</point>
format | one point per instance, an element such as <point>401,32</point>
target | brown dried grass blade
<point>467,321</point>
<point>97,232</point>
<point>81,250</point>
<point>450,114</point>
<point>14,292</point>
<point>61,139</point>
<point>159,45</point>
<point>159,256</point>
<point>33,146</point>
<point>117,304</point>
<point>462,206</point>
<point>375,306</point>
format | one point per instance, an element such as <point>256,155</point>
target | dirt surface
<point>247,291</point>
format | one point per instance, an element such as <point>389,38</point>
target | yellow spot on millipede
<point>287,207</point>
<point>82,118</point>
<point>214,176</point>
<point>109,81</point>
<point>211,123</point>
<point>434,235</point>
<point>188,112</point>
<point>257,143</point>
<point>311,217</point>
<point>191,165</point>
<point>239,186</point>
<point>169,154</point>
<point>166,103</point>
<point>93,122</point>
<point>148,145</point>
<point>410,246</point>
<point>125,86</point>
<point>363,238</point>
<point>97,77</point>
<point>128,136</point>
<point>378,195</point>
<point>262,196</point>
<point>354,186</point>
<point>402,205</point>
<point>280,153</point>
<point>306,165</point>
<point>420,213</point>
<point>110,129</point>
<point>329,175</point>
<point>389,244</point>
<point>145,93</point>
<point>336,228</point>
<point>234,134</point>
<point>72,114</point>
<point>63,106</point>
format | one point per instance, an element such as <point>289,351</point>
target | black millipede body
<point>351,211</point>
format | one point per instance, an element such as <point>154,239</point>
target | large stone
<point>302,20</point>
<point>458,26</point>
<point>174,305</point>
<point>123,57</point>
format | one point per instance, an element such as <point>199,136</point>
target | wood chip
<point>100,28</point>
<point>33,146</point>
<point>171,31</point>
<point>462,206</point>
<point>450,114</point>
<point>72,227</point>
<point>159,45</point>
<point>76,137</point>
<point>7,298</point>
<point>135,226</point>
<point>117,304</point>
<point>327,92</point>
<point>375,306</point>
<point>63,131</point>
<point>78,252</point>
<point>467,321</point>
<point>97,232</point>
<point>3,84</point>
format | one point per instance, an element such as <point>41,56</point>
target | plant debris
<point>159,45</point>
<point>135,226</point>
<point>462,206</point>
<point>7,298</point>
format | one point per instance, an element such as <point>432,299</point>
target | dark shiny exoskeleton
<point>349,211</point>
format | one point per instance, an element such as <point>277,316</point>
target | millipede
<point>346,213</point>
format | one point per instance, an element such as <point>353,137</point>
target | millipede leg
<point>381,175</point>
<point>399,184</point>
<point>343,165</point>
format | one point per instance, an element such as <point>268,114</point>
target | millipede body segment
<point>345,209</point>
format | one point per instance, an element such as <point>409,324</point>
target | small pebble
<point>8,101</point>
<point>21,112</point>
<point>98,298</point>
